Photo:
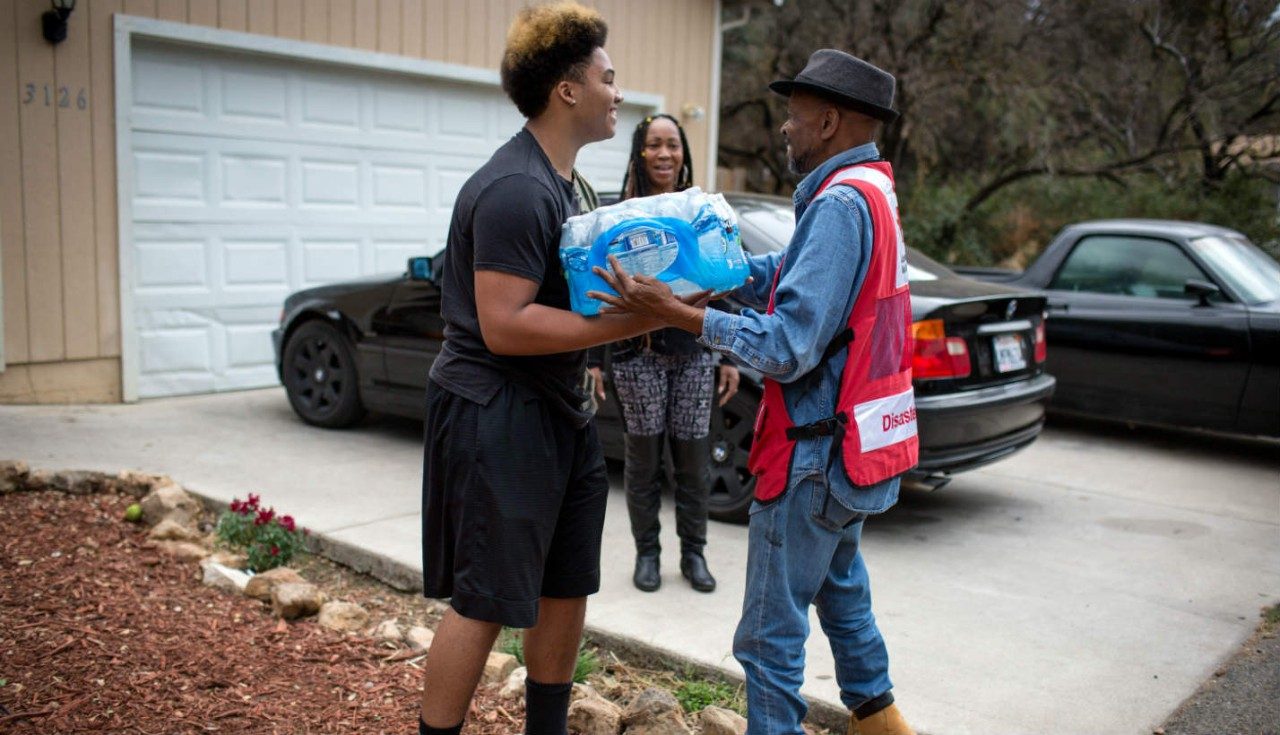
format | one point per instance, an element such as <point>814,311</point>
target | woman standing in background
<point>665,384</point>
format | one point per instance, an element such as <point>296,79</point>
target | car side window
<point>1128,266</point>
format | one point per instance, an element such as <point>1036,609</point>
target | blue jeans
<point>803,550</point>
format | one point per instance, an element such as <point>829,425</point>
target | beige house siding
<point>59,247</point>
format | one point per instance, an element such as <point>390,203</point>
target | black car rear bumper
<point>961,431</point>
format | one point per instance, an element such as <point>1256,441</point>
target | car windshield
<point>776,221</point>
<point>1250,272</point>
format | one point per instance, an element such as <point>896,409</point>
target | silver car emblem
<point>1010,309</point>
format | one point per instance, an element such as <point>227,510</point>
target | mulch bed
<point>99,633</point>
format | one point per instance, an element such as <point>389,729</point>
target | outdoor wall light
<point>692,113</point>
<point>55,21</point>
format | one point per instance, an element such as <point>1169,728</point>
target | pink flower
<point>264,517</point>
<point>253,500</point>
<point>235,505</point>
<point>287,523</point>
<point>275,550</point>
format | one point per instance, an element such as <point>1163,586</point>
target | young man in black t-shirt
<point>514,481</point>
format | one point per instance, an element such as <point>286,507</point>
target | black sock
<point>546,708</point>
<point>873,705</point>
<point>425,729</point>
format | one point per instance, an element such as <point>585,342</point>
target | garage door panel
<point>168,264</point>
<point>329,183</point>
<point>176,349</point>
<point>168,86</point>
<point>326,260</point>
<point>255,177</point>
<point>327,106</point>
<point>169,177</point>
<point>249,345</point>
<point>254,96</point>
<point>399,110</point>
<point>255,264</point>
<point>255,181</point>
<point>400,187</point>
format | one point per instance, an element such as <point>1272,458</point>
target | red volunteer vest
<point>875,419</point>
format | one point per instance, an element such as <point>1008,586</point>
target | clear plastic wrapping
<point>688,239</point>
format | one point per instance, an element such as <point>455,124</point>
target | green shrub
<point>1015,225</point>
<point>269,540</point>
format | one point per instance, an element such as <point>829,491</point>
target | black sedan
<point>981,388</point>
<point>1160,322</point>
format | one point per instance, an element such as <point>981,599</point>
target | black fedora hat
<point>845,79</point>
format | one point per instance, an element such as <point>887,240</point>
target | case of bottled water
<point>688,239</point>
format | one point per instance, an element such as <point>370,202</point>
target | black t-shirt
<point>507,218</point>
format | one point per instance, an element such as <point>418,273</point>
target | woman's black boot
<point>692,458</point>
<point>643,479</point>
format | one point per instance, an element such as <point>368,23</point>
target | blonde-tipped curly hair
<point>547,44</point>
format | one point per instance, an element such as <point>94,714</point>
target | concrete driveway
<point>1086,585</point>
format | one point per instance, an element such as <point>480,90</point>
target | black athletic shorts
<point>513,502</point>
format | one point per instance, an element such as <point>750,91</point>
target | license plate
<point>1009,353</point>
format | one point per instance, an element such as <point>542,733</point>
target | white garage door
<point>254,177</point>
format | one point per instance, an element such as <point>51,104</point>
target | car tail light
<point>1042,347</point>
<point>937,355</point>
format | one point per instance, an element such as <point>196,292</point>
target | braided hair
<point>636,183</point>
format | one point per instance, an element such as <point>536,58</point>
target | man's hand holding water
<point>650,297</point>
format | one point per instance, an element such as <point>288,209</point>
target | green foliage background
<point>1014,226</point>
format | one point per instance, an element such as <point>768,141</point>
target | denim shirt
<point>823,268</point>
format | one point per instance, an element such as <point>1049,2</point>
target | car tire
<point>732,485</point>
<point>318,369</point>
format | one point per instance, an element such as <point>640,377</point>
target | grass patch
<point>1271,617</point>
<point>511,641</point>
<point>695,694</point>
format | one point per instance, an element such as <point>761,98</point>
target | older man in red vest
<point>837,427</point>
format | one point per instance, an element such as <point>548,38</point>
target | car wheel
<point>732,485</point>
<point>319,373</point>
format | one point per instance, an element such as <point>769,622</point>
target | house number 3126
<point>49,96</point>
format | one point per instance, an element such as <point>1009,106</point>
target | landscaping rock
<point>38,480</point>
<point>655,712</point>
<point>293,600</point>
<point>170,530</point>
<point>514,686</point>
<point>582,691</point>
<point>260,585</point>
<point>172,502</point>
<point>183,550</point>
<point>595,715</point>
<point>80,482</point>
<point>13,476</point>
<point>499,667</point>
<point>139,484</point>
<point>419,638</point>
<point>223,577</point>
<point>610,688</point>
<point>388,631</point>
<point>720,721</point>
<point>343,616</point>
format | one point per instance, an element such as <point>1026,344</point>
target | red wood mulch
<point>99,634</point>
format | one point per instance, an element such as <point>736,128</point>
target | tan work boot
<point>888,721</point>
